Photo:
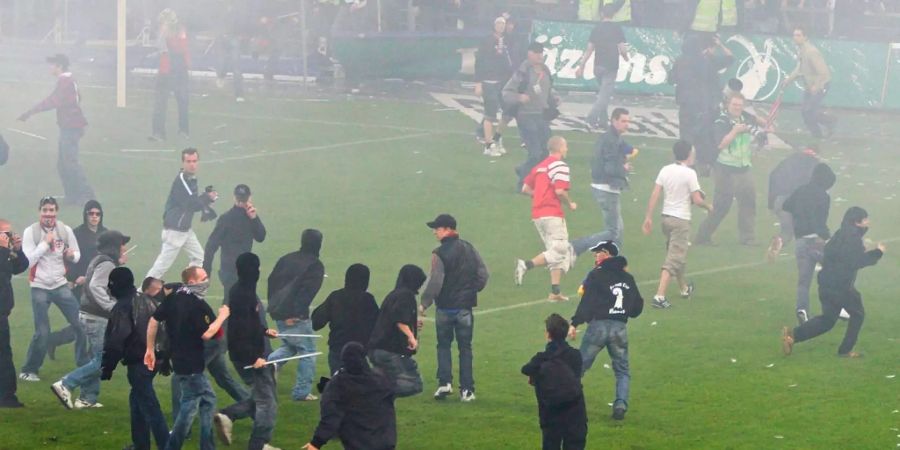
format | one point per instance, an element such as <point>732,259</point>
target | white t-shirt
<point>678,183</point>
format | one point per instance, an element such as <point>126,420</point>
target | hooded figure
<point>97,300</point>
<point>87,242</point>
<point>809,204</point>
<point>297,278</point>
<point>357,406</point>
<point>350,311</point>
<point>247,340</point>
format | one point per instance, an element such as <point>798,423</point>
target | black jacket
<point>359,409</point>
<point>87,242</point>
<point>125,338</point>
<point>184,200</point>
<point>351,311</point>
<point>609,293</point>
<point>810,203</point>
<point>565,416</point>
<point>695,74</point>
<point>247,339</point>
<point>845,253</point>
<point>791,173</point>
<point>458,274</point>
<point>608,163</point>
<point>234,233</point>
<point>398,307</point>
<point>11,263</point>
<point>305,264</point>
<point>493,61</point>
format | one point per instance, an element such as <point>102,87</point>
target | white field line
<point>147,150</point>
<point>318,147</point>
<point>25,133</point>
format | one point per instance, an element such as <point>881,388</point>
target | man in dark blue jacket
<point>234,233</point>
<point>610,298</point>
<point>845,254</point>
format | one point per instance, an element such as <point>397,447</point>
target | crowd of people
<point>171,329</point>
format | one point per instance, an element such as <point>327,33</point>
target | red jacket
<point>174,53</point>
<point>66,100</point>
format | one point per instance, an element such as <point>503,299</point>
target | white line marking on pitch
<point>25,133</point>
<point>319,147</point>
<point>147,150</point>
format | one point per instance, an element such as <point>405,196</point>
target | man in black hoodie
<point>357,406</point>
<point>791,173</point>
<point>457,276</point>
<point>234,233</point>
<point>394,340</point>
<point>248,346</point>
<point>610,298</point>
<point>845,254</point>
<point>563,421</point>
<point>86,234</point>
<point>12,262</point>
<point>351,313</point>
<point>293,284</point>
<point>808,207</point>
<point>126,341</point>
<point>493,66</point>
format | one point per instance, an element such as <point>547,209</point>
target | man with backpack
<point>126,341</point>
<point>610,297</point>
<point>555,374</point>
<point>293,284</point>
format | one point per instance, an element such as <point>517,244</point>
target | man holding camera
<point>234,233</point>
<point>735,131</point>
<point>184,200</point>
<point>12,262</point>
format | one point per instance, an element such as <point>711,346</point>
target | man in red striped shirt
<point>548,184</point>
<point>66,100</point>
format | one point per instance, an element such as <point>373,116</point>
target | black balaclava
<point>357,277</point>
<point>311,241</point>
<point>121,283</point>
<point>247,266</point>
<point>353,357</point>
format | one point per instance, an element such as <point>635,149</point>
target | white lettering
<point>570,58</point>
<point>658,70</point>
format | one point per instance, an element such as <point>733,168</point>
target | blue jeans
<point>402,370</point>
<point>613,226</point>
<point>291,346</point>
<point>809,252</point>
<point>606,82</point>
<point>217,366</point>
<point>146,414</point>
<point>87,375</point>
<point>535,132</point>
<point>75,184</point>
<point>40,305</point>
<point>812,113</point>
<point>196,394</point>
<point>613,335</point>
<point>262,406</point>
<point>460,323</point>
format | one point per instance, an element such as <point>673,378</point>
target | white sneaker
<point>519,274</point>
<point>28,376</point>
<point>239,99</point>
<point>443,391</point>
<point>308,398</point>
<point>269,447</point>
<point>63,394</point>
<point>224,426</point>
<point>81,404</point>
<point>466,395</point>
<point>844,314</point>
<point>500,148</point>
<point>220,83</point>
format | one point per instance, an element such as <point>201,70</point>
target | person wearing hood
<point>125,341</point>
<point>844,255</point>
<point>12,262</point>
<point>394,340</point>
<point>293,284</point>
<point>248,346</point>
<point>96,309</point>
<point>357,406</point>
<point>457,275</point>
<point>86,235</point>
<point>610,298</point>
<point>791,173</point>
<point>189,322</point>
<point>349,312</point>
<point>808,207</point>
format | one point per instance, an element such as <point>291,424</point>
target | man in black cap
<point>234,233</point>
<point>457,276</point>
<point>610,297</point>
<point>66,100</point>
<point>96,309</point>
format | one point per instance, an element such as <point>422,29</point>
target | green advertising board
<point>761,62</point>
<point>408,57</point>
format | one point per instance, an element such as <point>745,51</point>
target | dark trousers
<point>228,280</point>
<point>217,366</point>
<point>535,131</point>
<point>459,324</point>
<point>74,181</point>
<point>832,303</point>
<point>731,185</point>
<point>334,359</point>
<point>176,84</point>
<point>262,406</point>
<point>146,414</point>
<point>812,113</point>
<point>402,370</point>
<point>7,367</point>
<point>564,437</point>
<point>229,49</point>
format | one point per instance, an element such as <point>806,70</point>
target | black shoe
<point>618,413</point>
<point>12,402</point>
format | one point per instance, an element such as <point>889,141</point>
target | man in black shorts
<point>493,67</point>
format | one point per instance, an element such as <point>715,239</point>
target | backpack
<point>141,310</point>
<point>61,232</point>
<point>556,382</point>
